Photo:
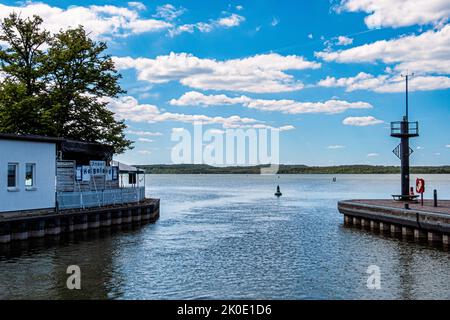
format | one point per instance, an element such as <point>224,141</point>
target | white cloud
<point>144,133</point>
<point>145,140</point>
<point>447,146</point>
<point>239,8</point>
<point>362,121</point>
<point>233,20</point>
<point>344,41</point>
<point>275,22</point>
<point>137,5</point>
<point>428,52</point>
<point>386,83</point>
<point>216,131</point>
<point>169,12</point>
<point>194,98</point>
<point>128,108</point>
<point>259,74</point>
<point>335,147</point>
<point>399,13</point>
<point>101,21</point>
<point>371,155</point>
<point>145,152</point>
<point>287,128</point>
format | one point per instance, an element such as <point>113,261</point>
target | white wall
<point>23,152</point>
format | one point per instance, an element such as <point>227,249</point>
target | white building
<point>50,173</point>
<point>27,172</point>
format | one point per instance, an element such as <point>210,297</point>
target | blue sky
<point>327,73</point>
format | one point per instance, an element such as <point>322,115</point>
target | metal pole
<point>405,158</point>
<point>435,198</point>
<point>407,106</point>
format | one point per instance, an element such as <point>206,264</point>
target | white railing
<point>89,199</point>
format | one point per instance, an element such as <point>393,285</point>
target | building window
<point>12,175</point>
<point>29,175</point>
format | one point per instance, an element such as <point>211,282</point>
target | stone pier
<point>19,226</point>
<point>419,222</point>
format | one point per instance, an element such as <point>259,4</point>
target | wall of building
<point>42,195</point>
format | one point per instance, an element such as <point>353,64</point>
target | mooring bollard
<point>435,198</point>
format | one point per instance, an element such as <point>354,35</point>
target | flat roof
<point>124,168</point>
<point>65,145</point>
<point>27,137</point>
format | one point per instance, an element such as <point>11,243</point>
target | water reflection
<point>48,258</point>
<point>228,237</point>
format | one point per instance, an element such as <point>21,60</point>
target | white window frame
<point>15,187</point>
<point>32,187</point>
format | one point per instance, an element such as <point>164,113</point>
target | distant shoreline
<point>289,169</point>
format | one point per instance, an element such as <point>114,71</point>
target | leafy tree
<point>21,63</point>
<point>58,91</point>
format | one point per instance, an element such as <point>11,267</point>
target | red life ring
<point>420,185</point>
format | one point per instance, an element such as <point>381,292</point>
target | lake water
<point>228,237</point>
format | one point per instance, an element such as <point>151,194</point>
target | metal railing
<point>90,199</point>
<point>412,128</point>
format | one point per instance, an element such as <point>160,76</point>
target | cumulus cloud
<point>128,108</point>
<point>398,13</point>
<point>146,140</point>
<point>286,128</point>
<point>144,133</point>
<point>344,41</point>
<point>101,21</point>
<point>194,98</point>
<point>169,12</point>
<point>362,121</point>
<point>386,83</point>
<point>427,52</point>
<point>137,5</point>
<point>230,21</point>
<point>258,74</point>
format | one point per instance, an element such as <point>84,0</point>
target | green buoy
<point>278,193</point>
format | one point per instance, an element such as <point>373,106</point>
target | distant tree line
<point>289,169</point>
<point>54,84</point>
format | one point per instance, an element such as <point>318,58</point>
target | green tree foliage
<point>287,169</point>
<point>55,85</point>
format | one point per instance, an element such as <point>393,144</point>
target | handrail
<point>86,199</point>
<point>397,128</point>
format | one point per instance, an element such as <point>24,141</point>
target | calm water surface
<point>228,237</point>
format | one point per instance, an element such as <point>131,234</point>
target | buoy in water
<point>278,193</point>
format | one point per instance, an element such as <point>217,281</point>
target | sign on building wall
<point>98,168</point>
<point>86,173</point>
<point>108,173</point>
<point>115,173</point>
<point>79,173</point>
